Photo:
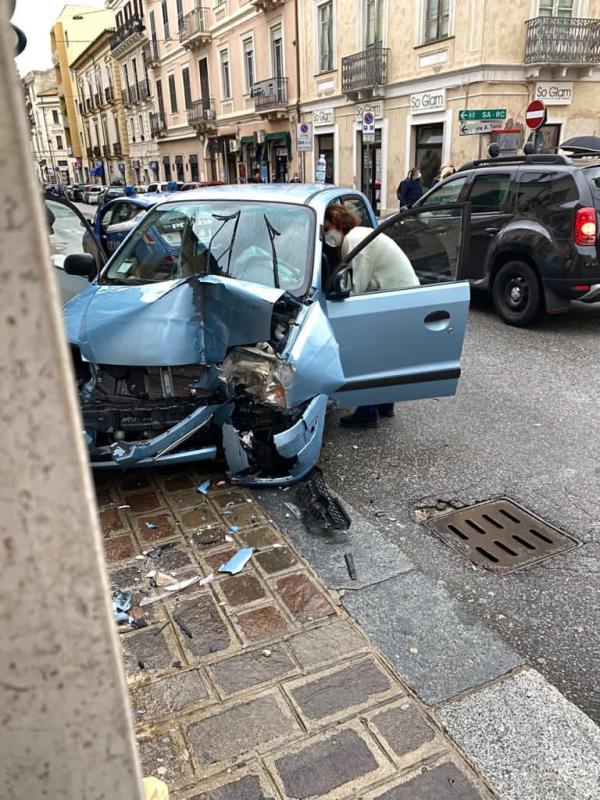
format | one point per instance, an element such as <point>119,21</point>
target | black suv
<point>533,231</point>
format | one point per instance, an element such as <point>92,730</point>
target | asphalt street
<point>525,425</point>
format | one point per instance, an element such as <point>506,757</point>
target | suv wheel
<point>516,293</point>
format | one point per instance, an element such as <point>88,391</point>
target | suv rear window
<point>488,192</point>
<point>537,189</point>
<point>593,176</point>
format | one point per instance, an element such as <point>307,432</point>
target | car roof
<point>309,194</point>
<point>532,161</point>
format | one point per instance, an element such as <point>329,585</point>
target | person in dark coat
<point>410,189</point>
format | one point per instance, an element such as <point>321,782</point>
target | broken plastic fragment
<point>176,587</point>
<point>237,562</point>
<point>294,509</point>
<point>147,601</point>
<point>234,528</point>
<point>122,602</point>
<point>228,538</point>
<point>203,488</point>
<point>151,526</point>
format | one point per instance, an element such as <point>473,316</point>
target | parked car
<point>533,231</point>
<point>199,185</point>
<point>92,194</point>
<point>141,188</point>
<point>223,324</point>
<point>115,219</point>
<point>165,186</point>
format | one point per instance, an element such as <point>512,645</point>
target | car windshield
<point>266,243</point>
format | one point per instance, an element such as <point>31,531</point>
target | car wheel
<point>517,294</point>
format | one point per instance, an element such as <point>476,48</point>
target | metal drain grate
<point>500,535</point>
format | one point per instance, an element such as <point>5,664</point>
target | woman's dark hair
<point>341,218</point>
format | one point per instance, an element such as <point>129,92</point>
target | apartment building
<point>127,49</point>
<point>51,154</point>
<point>73,30</point>
<point>101,107</point>
<point>223,80</point>
<point>417,64</point>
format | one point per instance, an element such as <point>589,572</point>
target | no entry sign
<point>535,116</point>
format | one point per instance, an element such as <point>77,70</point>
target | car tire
<point>517,294</point>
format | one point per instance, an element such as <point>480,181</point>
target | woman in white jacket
<point>379,267</point>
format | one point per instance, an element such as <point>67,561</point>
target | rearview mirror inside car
<point>82,264</point>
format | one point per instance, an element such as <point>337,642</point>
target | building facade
<point>223,80</point>
<point>419,66</point>
<point>52,156</point>
<point>100,102</point>
<point>75,27</point>
<point>127,47</point>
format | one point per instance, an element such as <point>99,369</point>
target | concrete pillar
<point>65,730</point>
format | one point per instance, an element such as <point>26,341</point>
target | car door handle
<point>437,320</point>
<point>492,231</point>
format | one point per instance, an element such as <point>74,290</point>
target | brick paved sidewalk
<point>278,693</point>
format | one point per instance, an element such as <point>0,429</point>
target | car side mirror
<point>82,264</point>
<point>341,285</point>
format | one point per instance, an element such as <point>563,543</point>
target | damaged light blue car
<point>224,325</point>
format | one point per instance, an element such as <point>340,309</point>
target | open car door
<point>406,343</point>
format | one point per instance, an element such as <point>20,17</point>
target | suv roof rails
<point>538,158</point>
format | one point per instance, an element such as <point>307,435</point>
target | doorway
<point>325,148</point>
<point>370,183</point>
<point>429,140</point>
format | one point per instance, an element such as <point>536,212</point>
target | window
<point>543,189</point>
<point>141,127</point>
<point>55,116</point>
<point>325,34</point>
<point>165,17</point>
<point>357,206</point>
<point>448,193</point>
<point>248,51</point>
<point>437,17</point>
<point>556,8</point>
<point>488,193</point>
<point>373,11</point>
<point>59,143</point>
<point>277,51</point>
<point>180,14</point>
<point>225,75</point>
<point>159,97</point>
<point>187,92</point>
<point>173,94</point>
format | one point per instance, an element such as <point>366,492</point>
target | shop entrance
<point>179,168</point>
<point>325,148</point>
<point>194,171</point>
<point>281,165</point>
<point>428,152</point>
<point>370,183</point>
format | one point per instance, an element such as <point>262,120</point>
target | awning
<point>246,140</point>
<point>284,137</point>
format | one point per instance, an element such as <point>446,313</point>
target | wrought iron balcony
<point>270,95</point>
<point>96,151</point>
<point>126,35</point>
<point>116,148</point>
<point>201,114</point>
<point>158,126</point>
<point>562,40</point>
<point>151,54</point>
<point>143,91</point>
<point>90,152</point>
<point>130,95</point>
<point>109,94</point>
<point>194,29</point>
<point>365,71</point>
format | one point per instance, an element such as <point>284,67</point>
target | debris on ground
<point>158,578</point>
<point>319,506</point>
<point>350,565</point>
<point>294,510</point>
<point>156,552</point>
<point>152,526</point>
<point>203,488</point>
<point>184,627</point>
<point>122,603</point>
<point>238,561</point>
<point>267,653</point>
<point>177,587</point>
<point>155,789</point>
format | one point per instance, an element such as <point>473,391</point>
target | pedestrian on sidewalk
<point>381,265</point>
<point>410,189</point>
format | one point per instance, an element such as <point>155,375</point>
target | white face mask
<point>333,237</point>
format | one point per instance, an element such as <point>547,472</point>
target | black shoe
<point>363,417</point>
<point>386,410</point>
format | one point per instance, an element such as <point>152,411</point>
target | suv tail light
<point>585,226</point>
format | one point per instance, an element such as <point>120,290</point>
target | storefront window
<point>325,147</point>
<point>428,152</point>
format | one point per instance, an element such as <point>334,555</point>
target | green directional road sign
<point>476,114</point>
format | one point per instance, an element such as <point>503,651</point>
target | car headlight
<point>259,372</point>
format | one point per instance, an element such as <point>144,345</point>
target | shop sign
<point>304,137</point>
<point>428,102</point>
<point>324,116</point>
<point>554,93</point>
<point>376,108</point>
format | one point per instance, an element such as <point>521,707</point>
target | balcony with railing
<point>127,35</point>
<point>151,54</point>
<point>143,90</point>
<point>365,72</point>
<point>202,115</point>
<point>130,95</point>
<point>109,94</point>
<point>194,28</point>
<point>270,95</point>
<point>563,41</point>
<point>97,100</point>
<point>96,151</point>
<point>158,126</point>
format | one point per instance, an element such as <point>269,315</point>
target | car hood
<point>172,323</point>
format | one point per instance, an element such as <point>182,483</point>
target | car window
<point>447,193</point>
<point>593,176</point>
<point>488,192</point>
<point>123,212</point>
<point>430,244</point>
<point>266,243</point>
<point>67,234</point>
<point>544,189</point>
<point>358,206</point>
